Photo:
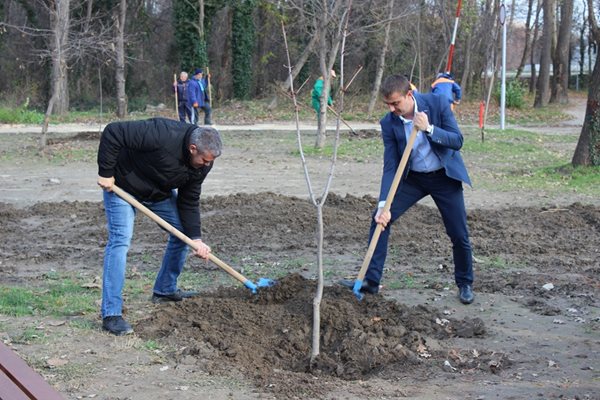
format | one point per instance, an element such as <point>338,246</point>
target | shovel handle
<point>388,203</point>
<point>176,232</point>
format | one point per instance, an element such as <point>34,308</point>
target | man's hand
<point>106,183</point>
<point>202,250</point>
<point>196,104</point>
<point>421,121</point>
<point>383,218</point>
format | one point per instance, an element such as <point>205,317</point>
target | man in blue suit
<point>435,168</point>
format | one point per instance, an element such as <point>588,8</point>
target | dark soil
<point>267,337</point>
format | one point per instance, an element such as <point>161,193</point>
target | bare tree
<point>543,85</point>
<point>560,60</point>
<point>528,34</point>
<point>120,59</point>
<point>587,151</point>
<point>320,201</point>
<point>381,59</point>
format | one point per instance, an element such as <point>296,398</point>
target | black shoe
<point>367,286</point>
<point>177,296</point>
<point>465,294</point>
<point>116,325</point>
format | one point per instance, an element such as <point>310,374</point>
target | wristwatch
<point>429,130</point>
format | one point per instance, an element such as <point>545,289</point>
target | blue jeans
<point>447,193</point>
<point>120,217</point>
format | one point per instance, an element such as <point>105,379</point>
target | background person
<point>184,106</point>
<point>446,87</point>
<point>199,96</point>
<point>162,163</point>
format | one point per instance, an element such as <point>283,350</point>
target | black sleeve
<point>188,204</point>
<point>138,135</point>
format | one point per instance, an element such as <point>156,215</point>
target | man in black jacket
<point>162,163</point>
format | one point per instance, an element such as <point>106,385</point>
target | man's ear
<point>193,148</point>
<point>410,92</point>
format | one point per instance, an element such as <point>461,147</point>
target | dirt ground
<point>521,339</point>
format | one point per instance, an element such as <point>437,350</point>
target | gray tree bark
<point>560,83</point>
<point>587,152</point>
<point>381,61</point>
<point>543,87</point>
<point>59,20</point>
<point>120,60</point>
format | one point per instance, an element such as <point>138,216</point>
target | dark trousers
<point>207,113</point>
<point>185,111</point>
<point>447,193</point>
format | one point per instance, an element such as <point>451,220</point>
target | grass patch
<point>60,297</point>
<point>29,335</point>
<point>360,150</point>
<point>20,115</point>
<point>523,160</point>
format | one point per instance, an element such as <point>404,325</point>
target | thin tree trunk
<point>120,61</point>
<point>543,87</point>
<point>201,20</point>
<point>301,61</point>
<point>561,56</point>
<point>536,30</point>
<point>316,337</point>
<point>381,61</point>
<point>465,80</point>
<point>59,17</point>
<point>587,151</point>
<point>528,32</point>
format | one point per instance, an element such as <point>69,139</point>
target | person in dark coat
<point>162,163</point>
<point>184,105</point>
<point>435,168</point>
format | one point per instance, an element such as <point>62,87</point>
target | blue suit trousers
<point>447,193</point>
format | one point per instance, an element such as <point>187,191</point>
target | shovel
<point>388,204</point>
<point>262,282</point>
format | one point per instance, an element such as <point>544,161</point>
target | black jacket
<point>151,158</point>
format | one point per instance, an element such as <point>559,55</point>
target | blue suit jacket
<point>445,141</point>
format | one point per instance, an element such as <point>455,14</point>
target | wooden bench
<point>19,382</point>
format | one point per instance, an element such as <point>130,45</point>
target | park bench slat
<point>9,390</point>
<point>22,375</point>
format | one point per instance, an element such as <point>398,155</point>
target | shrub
<point>515,94</point>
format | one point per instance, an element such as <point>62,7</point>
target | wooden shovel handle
<point>388,203</point>
<point>176,232</point>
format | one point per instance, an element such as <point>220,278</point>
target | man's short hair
<point>395,84</point>
<point>207,140</point>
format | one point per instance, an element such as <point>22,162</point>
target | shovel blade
<point>265,282</point>
<point>356,289</point>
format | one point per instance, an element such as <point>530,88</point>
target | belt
<point>437,171</point>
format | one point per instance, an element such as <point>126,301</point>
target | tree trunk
<point>560,86</point>
<point>59,18</point>
<point>465,81</point>
<point>381,61</point>
<point>543,87</point>
<point>120,61</point>
<point>316,334</point>
<point>536,30</point>
<point>528,32</point>
<point>587,152</point>
<point>300,62</point>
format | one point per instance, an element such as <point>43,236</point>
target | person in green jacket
<point>317,91</point>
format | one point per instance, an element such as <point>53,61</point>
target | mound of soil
<point>270,333</point>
